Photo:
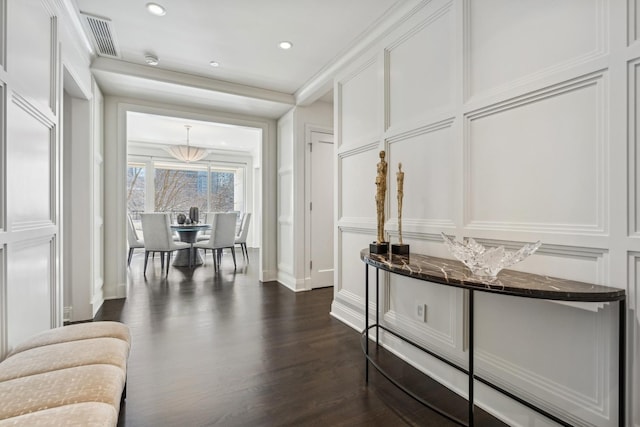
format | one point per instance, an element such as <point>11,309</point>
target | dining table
<point>188,233</point>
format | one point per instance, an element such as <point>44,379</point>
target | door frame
<point>308,130</point>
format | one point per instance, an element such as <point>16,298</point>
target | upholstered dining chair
<point>223,236</point>
<point>159,238</point>
<point>241,238</point>
<point>204,235</point>
<point>135,242</point>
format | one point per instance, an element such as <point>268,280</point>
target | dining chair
<point>159,238</point>
<point>135,242</point>
<point>223,230</point>
<point>241,238</point>
<point>206,234</point>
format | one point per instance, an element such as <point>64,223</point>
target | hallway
<point>224,349</point>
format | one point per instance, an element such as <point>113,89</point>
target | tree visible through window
<point>178,190</point>
<point>178,187</point>
<point>222,191</point>
<point>135,189</point>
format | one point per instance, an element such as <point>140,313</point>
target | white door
<point>321,206</point>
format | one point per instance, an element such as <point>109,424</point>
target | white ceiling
<point>255,76</point>
<point>146,130</point>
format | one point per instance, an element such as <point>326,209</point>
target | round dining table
<point>188,233</point>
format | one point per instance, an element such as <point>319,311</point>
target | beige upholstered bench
<point>73,376</point>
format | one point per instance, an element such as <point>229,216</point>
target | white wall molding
<point>4,325</point>
<point>424,335</point>
<point>599,18</point>
<point>345,311</point>
<point>422,130</point>
<point>596,82</point>
<point>363,131</point>
<point>633,198</point>
<point>633,319</point>
<point>552,395</point>
<point>44,117</point>
<point>633,32</point>
<point>357,225</point>
<point>319,84</point>
<point>45,124</point>
<point>286,278</point>
<point>406,80</point>
<point>355,149</point>
<point>3,34</point>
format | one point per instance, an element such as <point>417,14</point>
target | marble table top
<point>508,282</point>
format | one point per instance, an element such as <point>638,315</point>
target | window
<point>180,186</point>
<point>222,191</point>
<point>135,189</point>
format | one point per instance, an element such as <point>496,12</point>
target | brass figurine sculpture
<point>381,191</point>
<point>380,246</point>
<point>400,248</point>
<point>400,181</point>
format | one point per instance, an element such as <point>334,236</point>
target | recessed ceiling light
<point>285,45</point>
<point>151,59</point>
<point>156,9</point>
<point>214,64</point>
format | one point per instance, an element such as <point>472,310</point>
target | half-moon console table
<point>454,273</point>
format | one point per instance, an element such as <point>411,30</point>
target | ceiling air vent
<point>102,35</point>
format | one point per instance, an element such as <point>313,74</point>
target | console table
<point>454,273</point>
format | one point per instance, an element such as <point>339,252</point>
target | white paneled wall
<point>29,285</point>
<point>286,260</point>
<point>36,39</point>
<point>509,119</point>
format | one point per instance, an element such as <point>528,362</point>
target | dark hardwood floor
<point>224,349</point>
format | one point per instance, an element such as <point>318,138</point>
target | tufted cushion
<point>79,331</point>
<point>92,383</point>
<point>89,414</point>
<point>107,351</point>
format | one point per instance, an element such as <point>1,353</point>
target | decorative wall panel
<point>285,220</point>
<point>428,161</point>
<point>441,325</point>
<point>3,33</point>
<point>360,116</point>
<point>419,85</point>
<point>30,296</point>
<point>285,251</point>
<point>357,195</point>
<point>30,146</point>
<point>529,154</point>
<point>3,302</point>
<point>573,377</point>
<point>634,21</point>
<point>3,154</point>
<point>351,269</point>
<point>633,302</point>
<point>32,28</point>
<point>634,148</point>
<point>572,32</point>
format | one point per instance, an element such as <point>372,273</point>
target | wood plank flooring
<point>223,349</point>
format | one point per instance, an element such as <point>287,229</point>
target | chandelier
<point>187,153</point>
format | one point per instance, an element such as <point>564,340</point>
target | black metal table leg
<point>471,374</point>
<point>622,362</point>
<point>377,303</point>
<point>366,321</point>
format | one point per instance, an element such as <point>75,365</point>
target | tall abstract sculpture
<point>380,246</point>
<point>400,248</point>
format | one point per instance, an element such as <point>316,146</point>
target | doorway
<point>320,209</point>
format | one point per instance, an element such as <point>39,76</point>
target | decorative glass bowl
<point>487,262</point>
